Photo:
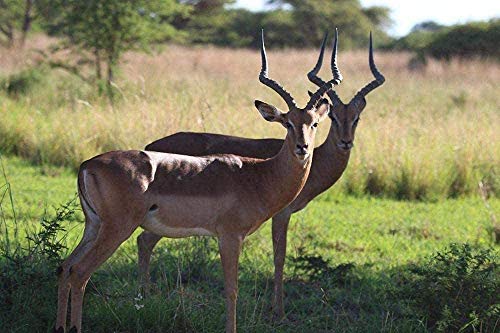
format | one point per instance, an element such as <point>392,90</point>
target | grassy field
<point>383,250</point>
<point>352,266</point>
<point>425,134</point>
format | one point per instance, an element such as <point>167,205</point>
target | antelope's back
<point>201,144</point>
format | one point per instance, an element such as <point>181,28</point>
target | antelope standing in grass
<point>225,196</point>
<point>329,162</point>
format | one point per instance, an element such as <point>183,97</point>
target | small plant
<point>23,82</point>
<point>456,290</point>
<point>27,274</point>
<point>46,243</point>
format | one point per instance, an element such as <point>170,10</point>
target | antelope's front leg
<point>280,228</point>
<point>230,248</point>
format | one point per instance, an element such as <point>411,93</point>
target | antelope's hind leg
<point>92,225</point>
<point>146,241</point>
<point>111,234</point>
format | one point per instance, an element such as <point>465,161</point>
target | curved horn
<point>335,70</point>
<point>315,98</point>
<point>313,74</point>
<point>337,76</point>
<point>270,82</point>
<point>379,78</point>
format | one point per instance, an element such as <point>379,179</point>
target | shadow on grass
<point>454,290</point>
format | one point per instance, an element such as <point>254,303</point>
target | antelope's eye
<point>335,121</point>
<point>315,125</point>
<point>355,122</point>
<point>288,125</point>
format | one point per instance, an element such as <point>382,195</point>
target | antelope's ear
<point>270,112</point>
<point>322,109</point>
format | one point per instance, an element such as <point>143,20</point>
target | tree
<point>15,15</point>
<point>206,6</point>
<point>311,18</point>
<point>107,29</point>
<point>427,26</point>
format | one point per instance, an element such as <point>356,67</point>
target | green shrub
<point>27,273</point>
<point>456,290</point>
<point>23,82</point>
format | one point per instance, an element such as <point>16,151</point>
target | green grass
<point>368,247</point>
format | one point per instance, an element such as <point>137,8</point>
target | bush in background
<point>475,39</point>
<point>22,82</point>
<point>479,39</point>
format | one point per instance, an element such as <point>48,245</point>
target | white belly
<point>151,223</point>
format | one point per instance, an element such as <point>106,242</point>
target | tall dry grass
<point>432,133</point>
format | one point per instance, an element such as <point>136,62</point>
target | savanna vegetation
<point>425,135</point>
<point>354,265</point>
<point>407,241</point>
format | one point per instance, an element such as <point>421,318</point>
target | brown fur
<point>329,162</point>
<point>226,196</point>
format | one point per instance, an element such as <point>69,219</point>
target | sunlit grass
<point>424,135</point>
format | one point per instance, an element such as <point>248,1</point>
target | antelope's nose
<point>302,149</point>
<point>346,144</point>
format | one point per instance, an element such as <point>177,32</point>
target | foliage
<point>457,289</point>
<point>23,82</point>
<point>27,267</point>
<point>104,30</point>
<point>313,17</point>
<point>46,242</point>
<point>427,26</point>
<point>223,27</point>
<point>11,15</point>
<point>478,39</point>
<point>301,24</point>
<point>475,39</point>
<point>414,41</point>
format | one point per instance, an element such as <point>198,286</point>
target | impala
<point>329,162</point>
<point>172,195</point>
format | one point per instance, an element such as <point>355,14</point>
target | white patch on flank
<point>90,210</point>
<point>93,221</point>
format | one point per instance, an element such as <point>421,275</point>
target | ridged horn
<point>379,78</point>
<point>337,76</point>
<point>263,77</point>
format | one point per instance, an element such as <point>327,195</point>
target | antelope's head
<point>301,123</point>
<point>345,117</point>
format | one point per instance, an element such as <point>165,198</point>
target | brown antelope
<point>329,162</point>
<point>172,195</point>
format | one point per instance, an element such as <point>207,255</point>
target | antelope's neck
<point>282,177</point>
<point>328,166</point>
